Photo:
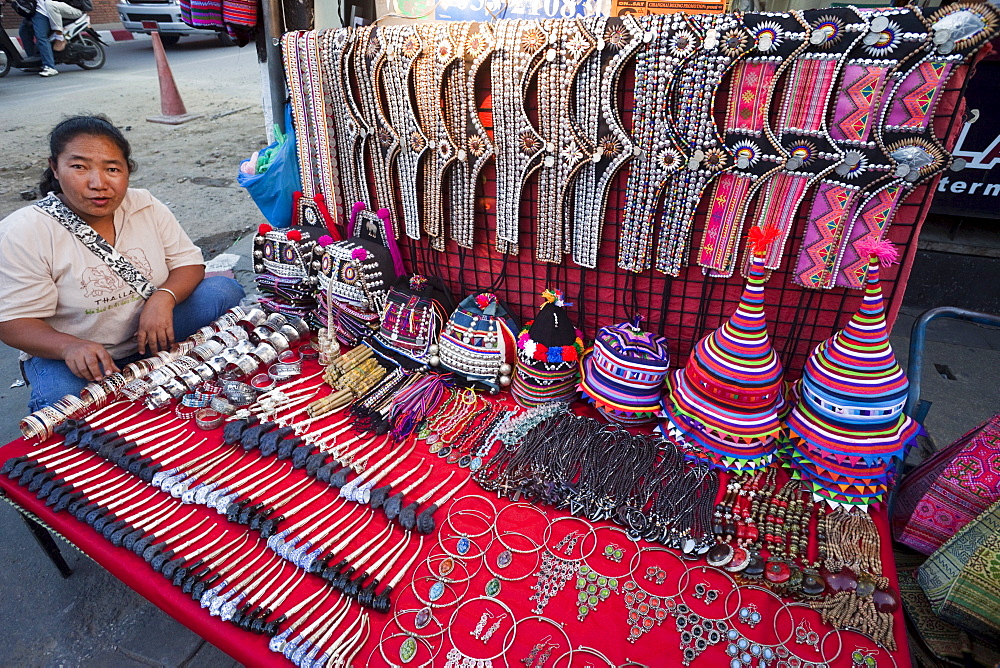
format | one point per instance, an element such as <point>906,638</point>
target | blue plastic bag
<point>272,190</point>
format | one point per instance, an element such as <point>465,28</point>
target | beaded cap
<point>548,355</point>
<point>728,400</point>
<point>411,320</point>
<point>848,425</point>
<point>477,343</point>
<point>623,373</point>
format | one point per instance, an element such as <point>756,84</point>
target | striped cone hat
<point>731,389</point>
<point>848,417</point>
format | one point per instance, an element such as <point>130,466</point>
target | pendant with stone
<point>446,566</point>
<point>464,544</point>
<point>423,618</point>
<point>437,591</point>
<point>493,587</point>
<point>408,650</point>
<point>504,559</point>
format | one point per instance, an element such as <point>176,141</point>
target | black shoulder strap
<point>120,264</point>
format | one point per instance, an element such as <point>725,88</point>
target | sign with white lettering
<point>975,190</point>
<point>486,10</point>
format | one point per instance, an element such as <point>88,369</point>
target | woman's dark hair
<point>69,129</point>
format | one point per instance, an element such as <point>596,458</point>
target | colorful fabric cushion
<point>949,490</point>
<point>962,578</point>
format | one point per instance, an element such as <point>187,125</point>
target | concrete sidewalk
<point>92,619</point>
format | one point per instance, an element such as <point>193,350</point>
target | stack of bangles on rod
<point>366,513</point>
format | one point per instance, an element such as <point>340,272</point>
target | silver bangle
<point>171,293</point>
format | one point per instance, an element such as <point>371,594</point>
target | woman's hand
<point>89,360</point>
<point>156,323</point>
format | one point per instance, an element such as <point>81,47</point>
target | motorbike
<point>84,47</point>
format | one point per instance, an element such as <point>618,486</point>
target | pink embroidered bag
<point>949,490</point>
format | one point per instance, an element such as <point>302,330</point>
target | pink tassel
<point>325,240</point>
<point>357,208</point>
<point>359,254</point>
<point>884,250</point>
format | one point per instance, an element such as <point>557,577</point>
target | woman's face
<point>93,174</point>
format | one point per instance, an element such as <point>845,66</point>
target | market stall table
<point>605,628</point>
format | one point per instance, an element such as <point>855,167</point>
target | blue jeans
<point>51,380</point>
<point>34,33</point>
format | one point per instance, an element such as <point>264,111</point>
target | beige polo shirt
<point>47,273</point>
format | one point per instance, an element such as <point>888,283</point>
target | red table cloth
<point>605,629</point>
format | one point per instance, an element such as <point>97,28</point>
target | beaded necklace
<point>519,147</point>
<point>905,134</point>
<point>312,208</point>
<point>695,133</point>
<point>368,63</point>
<point>778,38</point>
<point>893,35</point>
<point>473,144</point>
<point>570,46</point>
<point>445,45</point>
<point>403,45</point>
<point>606,144</point>
<point>803,141</point>
<point>670,42</point>
<point>599,118</point>
<point>349,129</point>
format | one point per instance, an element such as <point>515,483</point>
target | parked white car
<point>164,16</point>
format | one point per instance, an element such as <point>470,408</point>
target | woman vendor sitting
<point>81,305</point>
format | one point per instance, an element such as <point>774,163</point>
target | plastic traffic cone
<point>172,111</point>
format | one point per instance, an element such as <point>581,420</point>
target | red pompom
<point>264,229</point>
<point>761,238</point>
<point>484,299</point>
<point>294,235</point>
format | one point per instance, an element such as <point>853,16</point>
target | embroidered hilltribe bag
<point>962,578</point>
<point>949,490</point>
<point>415,311</point>
<point>97,244</point>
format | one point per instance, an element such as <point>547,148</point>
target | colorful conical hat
<point>732,383</point>
<point>852,391</point>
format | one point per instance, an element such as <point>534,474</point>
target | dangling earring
<point>493,629</point>
<point>545,656</point>
<point>535,650</point>
<point>481,625</point>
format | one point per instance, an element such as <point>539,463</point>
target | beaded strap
<point>695,133</point>
<point>328,182</point>
<point>671,41</point>
<point>603,128</point>
<point>569,47</point>
<point>894,34</point>
<point>300,115</point>
<point>403,46</point>
<point>368,64</point>
<point>445,46</point>
<point>519,46</point>
<point>779,38</point>
<point>905,133</point>
<point>349,130</point>
<point>475,148</point>
<point>804,143</point>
